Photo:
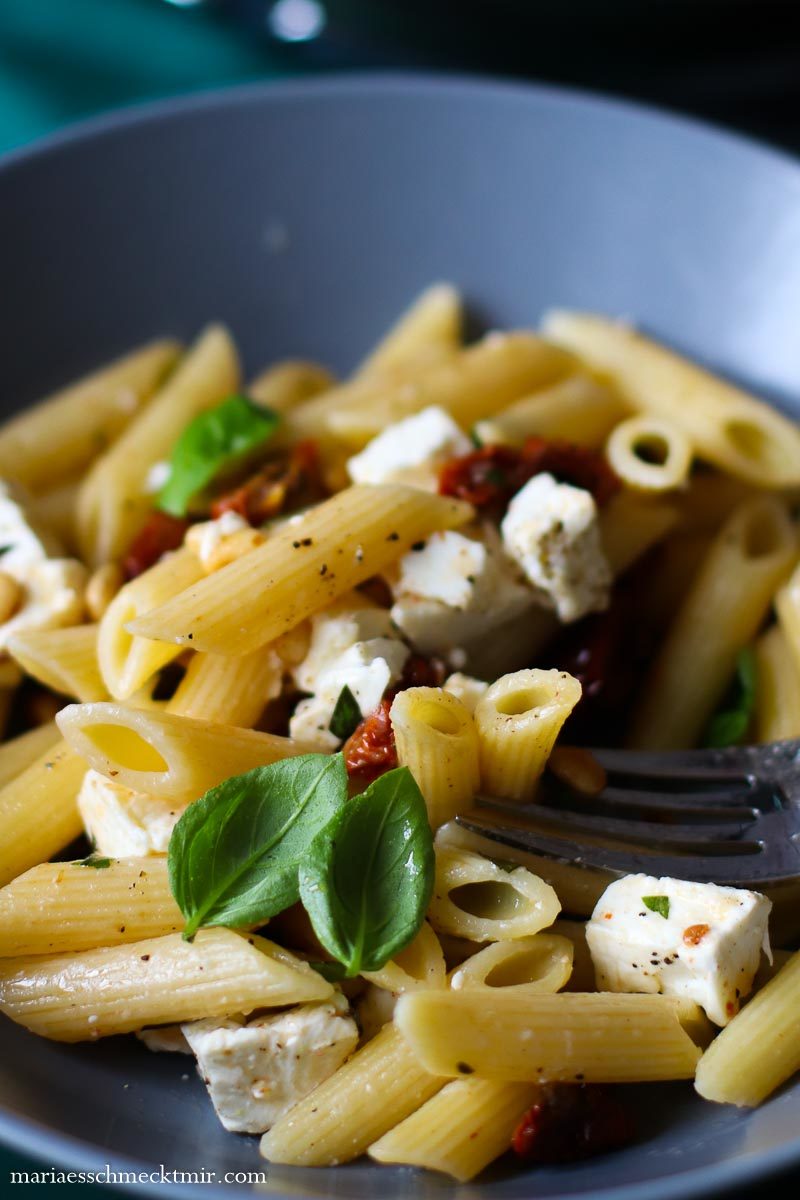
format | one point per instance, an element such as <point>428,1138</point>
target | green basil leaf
<point>234,855</point>
<point>95,861</point>
<point>729,725</point>
<point>332,971</point>
<point>657,904</point>
<point>346,715</point>
<point>210,444</point>
<point>367,880</point>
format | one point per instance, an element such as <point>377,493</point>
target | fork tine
<point>668,807</point>
<point>690,766</point>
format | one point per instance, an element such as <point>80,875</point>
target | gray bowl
<point>306,215</point>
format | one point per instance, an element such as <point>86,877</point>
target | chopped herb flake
<point>96,861</point>
<point>657,904</point>
<point>346,715</point>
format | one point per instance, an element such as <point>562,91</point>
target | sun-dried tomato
<point>572,1122</point>
<point>422,672</point>
<point>279,483</point>
<point>493,474</point>
<point>161,533</point>
<point>370,750</point>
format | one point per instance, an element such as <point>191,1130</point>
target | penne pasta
<point>82,419</point>
<point>578,409</point>
<point>474,898</point>
<point>525,966</point>
<point>38,810</point>
<point>303,568</point>
<point>157,981</point>
<point>288,383</point>
<point>420,965</point>
<point>55,509</point>
<point>777,713</point>
<point>432,323</point>
<point>19,753</point>
<point>650,454</point>
<point>631,526</point>
<point>437,740</point>
<point>67,906</point>
<point>163,754</point>
<point>62,659</point>
<point>231,691</point>
<point>567,1036</point>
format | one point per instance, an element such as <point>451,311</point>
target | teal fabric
<point>62,60</point>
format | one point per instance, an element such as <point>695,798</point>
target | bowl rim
<point>30,1137</point>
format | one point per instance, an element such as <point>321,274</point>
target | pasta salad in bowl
<point>262,643</point>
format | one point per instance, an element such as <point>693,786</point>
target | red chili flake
<point>492,474</point>
<point>281,480</point>
<point>572,1122</point>
<point>370,750</point>
<point>694,935</point>
<point>161,533</point>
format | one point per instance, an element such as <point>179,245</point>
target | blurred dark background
<point>736,62</point>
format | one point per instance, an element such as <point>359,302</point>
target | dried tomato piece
<point>493,474</point>
<point>280,481</point>
<point>578,465</point>
<point>571,1122</point>
<point>422,672</point>
<point>370,750</point>
<point>161,533</point>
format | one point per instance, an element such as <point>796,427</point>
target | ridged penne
<point>282,386</point>
<point>62,659</point>
<point>433,322</point>
<point>526,966</point>
<point>650,454</point>
<point>567,1036</point>
<point>157,981</point>
<point>67,906</point>
<point>474,898</point>
<point>777,712</point>
<point>437,740</point>
<point>38,810</point>
<point>163,754</point>
<point>420,965</point>
<point>82,419</point>
<point>302,568</point>
<point>518,721</point>
<point>114,500</point>
<point>578,409</point>
<point>231,691</point>
<point>376,1089</point>
<point>631,525</point>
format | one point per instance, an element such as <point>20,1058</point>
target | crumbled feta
<point>164,1039</point>
<point>206,538</point>
<point>449,567</point>
<point>53,596</point>
<point>122,823</point>
<point>696,940</point>
<point>25,540</point>
<point>334,630</point>
<point>466,689</point>
<point>551,531</point>
<point>411,450</point>
<point>255,1072</point>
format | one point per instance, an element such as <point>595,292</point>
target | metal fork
<point>727,816</point>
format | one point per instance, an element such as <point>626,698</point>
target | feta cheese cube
<point>352,619</point>
<point>449,567</point>
<point>466,689</point>
<point>256,1072</point>
<point>411,450</point>
<point>695,940</point>
<point>53,596</point>
<point>25,540</point>
<point>164,1039</point>
<point>122,823</point>
<point>551,531</point>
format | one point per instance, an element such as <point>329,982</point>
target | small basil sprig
<point>730,723</point>
<point>367,879</point>
<point>346,715</point>
<point>234,855</point>
<point>212,443</point>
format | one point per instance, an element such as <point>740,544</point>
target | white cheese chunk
<point>466,689</point>
<point>411,450</point>
<point>256,1072</point>
<point>25,540</point>
<point>53,597</point>
<point>122,823</point>
<point>164,1039</point>
<point>551,531</point>
<point>206,539</point>
<point>334,630</point>
<point>449,567</point>
<point>706,948</point>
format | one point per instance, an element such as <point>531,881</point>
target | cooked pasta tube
<point>474,898</point>
<point>525,966</point>
<point>671,574</point>
<point>729,598</point>
<point>787,606</point>
<point>578,409</point>
<point>567,1036</point>
<point>62,659</point>
<point>518,721</point>
<point>777,712</point>
<point>650,453</point>
<point>460,1130</point>
<point>127,662</point>
<point>477,382</point>
<point>302,568</point>
<point>437,740</point>
<point>38,810</point>
<point>760,1049</point>
<point>709,500</point>
<point>55,509</point>
<point>630,526</point>
<point>19,753</point>
<point>68,906</point>
<point>420,965</point>
<point>232,691</point>
<point>83,418</point>
<point>163,754</point>
<point>726,426</point>
<point>375,1089</point>
<point>432,322</point>
<point>286,384</point>
<point>114,501</point>
<point>157,981</point>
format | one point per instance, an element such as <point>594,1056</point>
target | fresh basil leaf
<point>657,904</point>
<point>346,715</point>
<point>210,444</point>
<point>332,971</point>
<point>234,854</point>
<point>367,880</point>
<point>728,726</point>
<point>94,860</point>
